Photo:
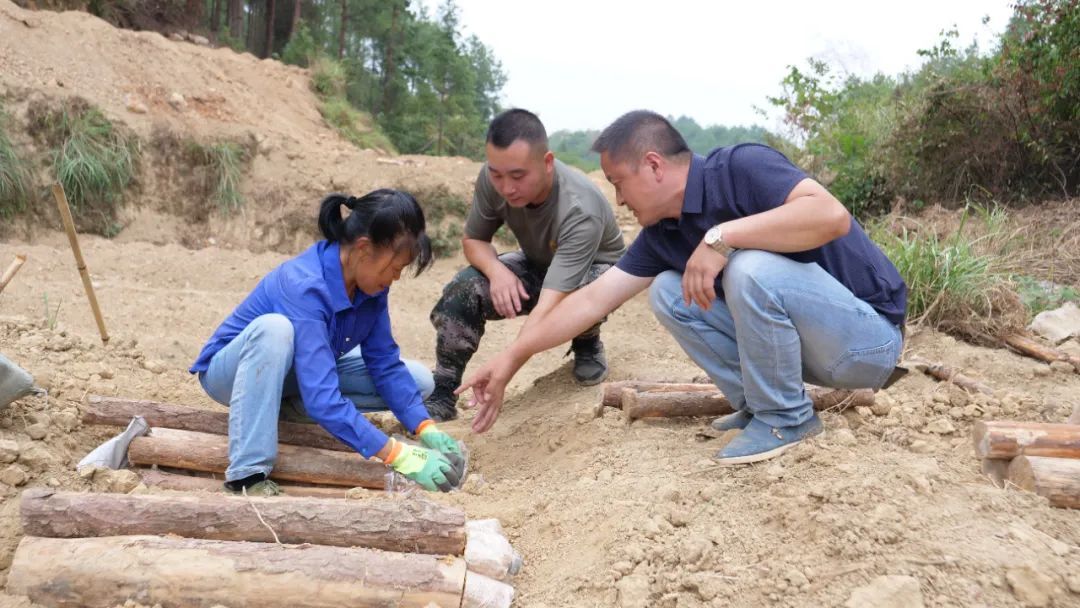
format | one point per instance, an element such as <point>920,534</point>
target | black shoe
<point>442,404</point>
<point>590,364</point>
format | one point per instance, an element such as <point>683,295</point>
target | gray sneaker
<point>590,364</point>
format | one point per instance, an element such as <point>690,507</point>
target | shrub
<point>224,164</point>
<point>354,125</point>
<point>328,77</point>
<point>14,174</point>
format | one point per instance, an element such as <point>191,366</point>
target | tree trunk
<point>1006,439</point>
<point>667,401</point>
<point>341,30</point>
<point>215,20</point>
<point>114,411</point>
<point>411,526</point>
<point>194,14</point>
<point>210,453</point>
<point>271,7</point>
<point>189,573</point>
<point>1056,479</point>
<point>235,15</point>
<point>295,23</point>
<point>387,100</point>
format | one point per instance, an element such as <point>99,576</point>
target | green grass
<point>352,124</point>
<point>1039,296</point>
<point>952,282</point>
<point>225,163</point>
<point>93,160</point>
<point>328,77</point>
<point>14,174</point>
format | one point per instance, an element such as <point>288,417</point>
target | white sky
<point>579,64</point>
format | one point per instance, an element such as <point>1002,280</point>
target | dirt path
<point>605,514</point>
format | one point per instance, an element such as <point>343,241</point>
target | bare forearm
<point>806,222</point>
<point>480,254</point>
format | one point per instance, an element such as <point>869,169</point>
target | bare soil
<point>605,513</point>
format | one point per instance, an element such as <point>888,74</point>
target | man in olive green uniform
<point>568,237</point>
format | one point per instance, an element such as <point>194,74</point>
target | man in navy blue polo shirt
<point>760,274</point>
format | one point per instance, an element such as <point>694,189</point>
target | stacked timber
<point>193,545</point>
<point>1039,457</point>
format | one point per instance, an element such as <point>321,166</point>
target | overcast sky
<point>579,64</point>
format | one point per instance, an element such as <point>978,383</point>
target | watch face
<point>712,236</point>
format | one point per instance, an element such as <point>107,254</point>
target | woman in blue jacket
<point>318,327</point>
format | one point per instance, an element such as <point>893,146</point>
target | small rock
<point>678,518</point>
<point>796,578</point>
<point>1062,367</point>
<point>153,366</point>
<point>177,101</point>
<point>53,482</point>
<point>199,40</point>
<point>9,451</point>
<point>890,591</point>
<point>1031,587</point>
<point>14,476</point>
<point>37,431</point>
<point>881,407</point>
<point>37,458</point>
<point>176,37</point>
<point>633,591</point>
<point>956,413</point>
<point>106,374</point>
<point>940,398</point>
<point>66,421</point>
<point>605,476</point>
<point>920,446</point>
<point>1041,370</point>
<point>941,426</point>
<point>135,105</point>
<point>623,568</point>
<point>1072,581</point>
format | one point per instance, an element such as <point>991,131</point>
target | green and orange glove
<point>427,467</point>
<point>435,439</point>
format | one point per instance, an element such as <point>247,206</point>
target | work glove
<point>435,439</point>
<point>427,467</point>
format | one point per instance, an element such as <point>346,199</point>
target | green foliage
<point>301,49</point>
<point>1038,295</point>
<point>573,147</point>
<point>224,164</point>
<point>1003,125</point>
<point>14,174</point>
<point>93,160</point>
<point>328,77</point>
<point>353,125</point>
<point>446,239</point>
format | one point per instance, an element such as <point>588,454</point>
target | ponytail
<point>389,218</point>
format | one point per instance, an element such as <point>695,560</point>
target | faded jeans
<point>780,323</point>
<point>253,373</point>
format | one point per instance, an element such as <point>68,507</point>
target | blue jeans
<point>253,373</point>
<point>780,323</point>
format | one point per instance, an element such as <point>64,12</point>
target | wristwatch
<point>715,238</point>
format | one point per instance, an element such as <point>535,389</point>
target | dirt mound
<point>164,91</point>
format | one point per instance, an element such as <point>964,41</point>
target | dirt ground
<point>605,513</point>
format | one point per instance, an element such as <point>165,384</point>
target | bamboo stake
<point>20,259</point>
<point>69,227</point>
<point>945,373</point>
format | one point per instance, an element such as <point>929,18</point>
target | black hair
<point>515,124</point>
<point>635,133</point>
<point>383,216</point>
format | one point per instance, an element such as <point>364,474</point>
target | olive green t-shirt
<point>570,231</point>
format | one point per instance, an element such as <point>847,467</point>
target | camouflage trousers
<point>466,306</point>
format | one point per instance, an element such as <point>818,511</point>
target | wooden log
<point>210,453</point>
<point>657,404</point>
<point>611,392</point>
<point>114,411</point>
<point>1027,346</point>
<point>189,573</point>
<point>189,483</point>
<point>948,374</point>
<point>1056,479</point>
<point>387,523</point>
<point>1003,440</point>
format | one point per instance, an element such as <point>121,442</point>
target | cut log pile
<point>1039,457</point>
<point>309,547</point>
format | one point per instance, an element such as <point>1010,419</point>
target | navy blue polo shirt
<point>743,180</point>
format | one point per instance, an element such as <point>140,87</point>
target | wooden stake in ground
<point>1056,479</point>
<point>108,571</point>
<point>1026,346</point>
<point>16,264</point>
<point>1003,440</point>
<point>948,374</point>
<point>210,453</point>
<point>69,227</point>
<point>411,526</point>
<point>115,411</point>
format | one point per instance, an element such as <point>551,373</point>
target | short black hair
<point>515,124</point>
<point>635,133</point>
